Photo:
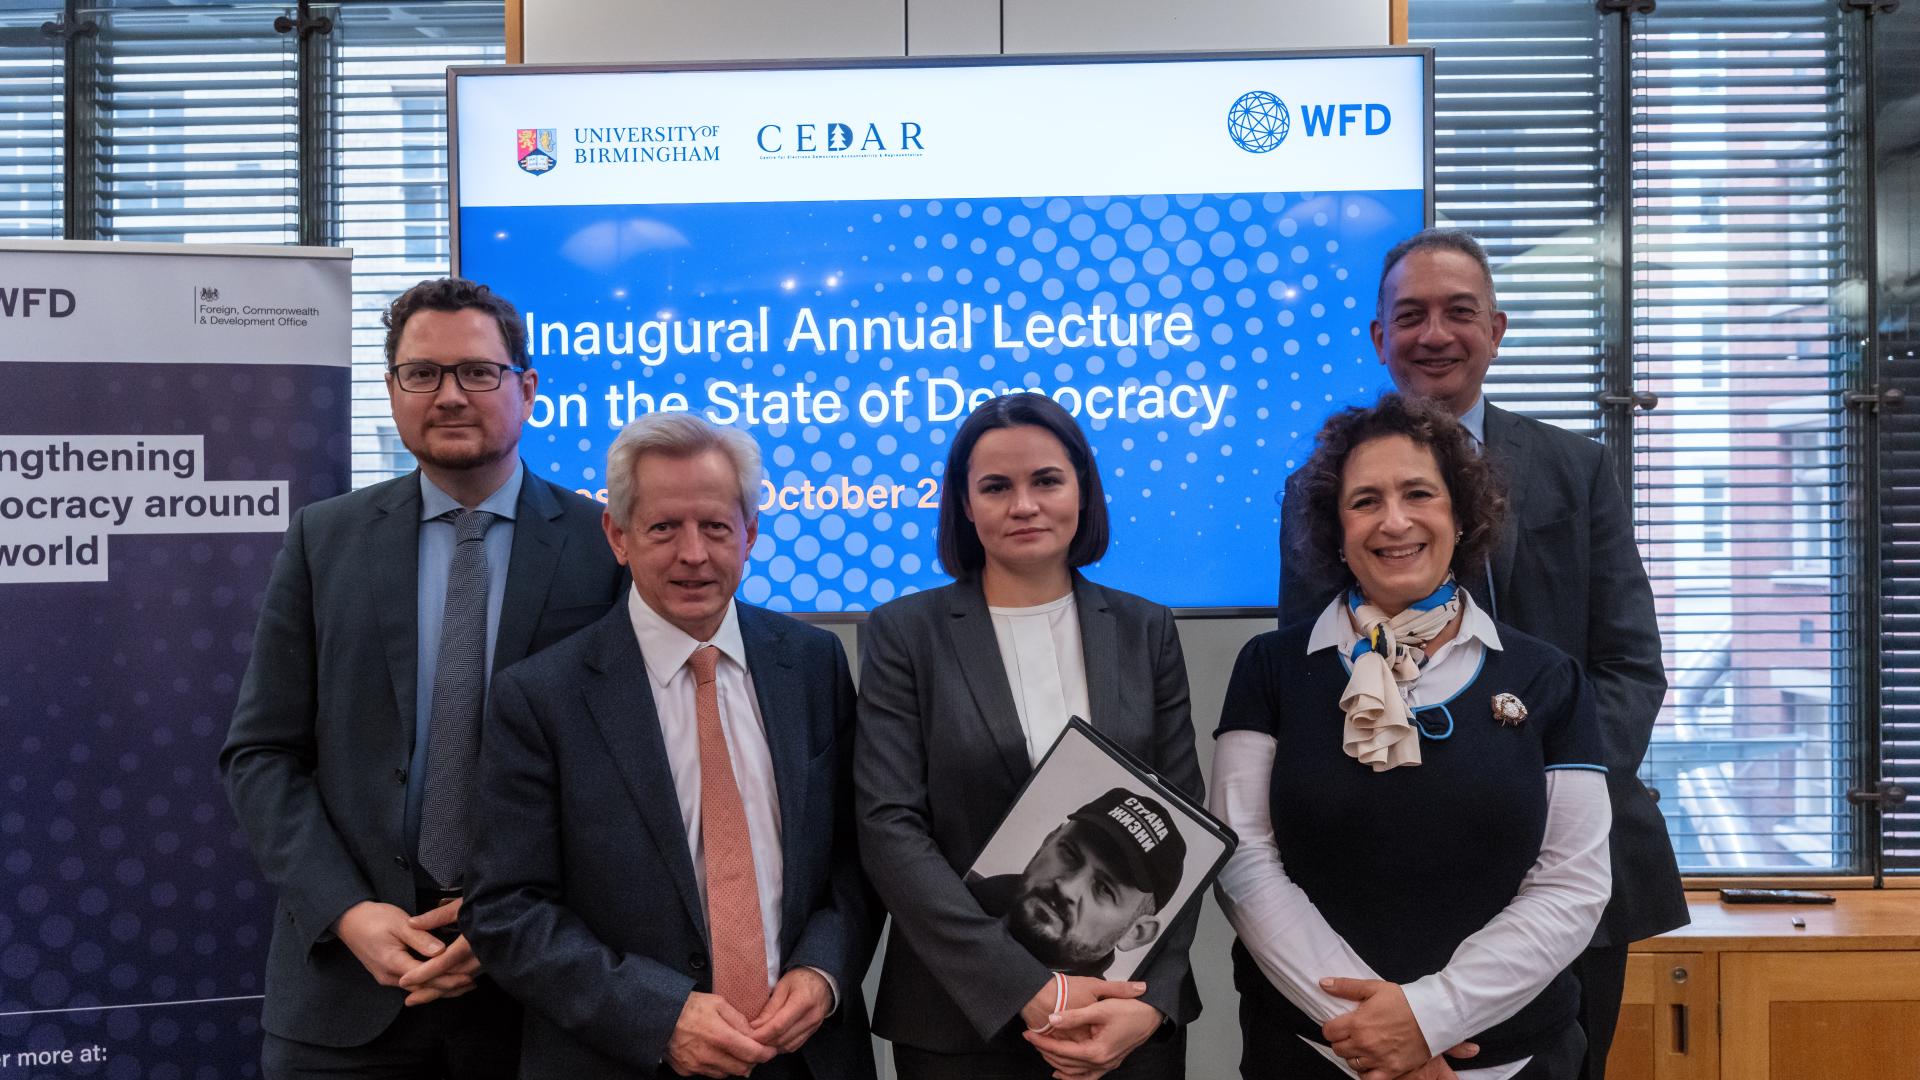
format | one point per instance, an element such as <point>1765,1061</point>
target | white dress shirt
<point>1046,668</point>
<point>666,649</point>
<point>1548,922</point>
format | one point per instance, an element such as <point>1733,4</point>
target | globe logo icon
<point>1257,121</point>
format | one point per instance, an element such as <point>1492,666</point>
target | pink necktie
<point>738,939</point>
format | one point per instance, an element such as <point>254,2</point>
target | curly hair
<point>1474,486</point>
<point>456,294</point>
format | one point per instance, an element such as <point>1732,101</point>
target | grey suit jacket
<point>316,759</point>
<point>584,903</point>
<point>1566,570</point>
<point>939,759</point>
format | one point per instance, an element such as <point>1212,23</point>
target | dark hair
<point>1474,487</point>
<point>455,294</point>
<point>1458,240</point>
<point>959,547</point>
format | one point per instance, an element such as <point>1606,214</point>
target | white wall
<point>613,31</point>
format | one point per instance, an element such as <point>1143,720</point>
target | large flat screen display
<point>845,259</point>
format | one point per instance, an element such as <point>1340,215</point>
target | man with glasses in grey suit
<point>350,761</point>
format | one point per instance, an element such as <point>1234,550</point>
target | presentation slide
<point>845,261</point>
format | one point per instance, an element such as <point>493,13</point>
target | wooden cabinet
<point>1821,1014</point>
<point>1667,1023</point>
<point>1744,994</point>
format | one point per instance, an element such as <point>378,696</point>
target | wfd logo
<point>1257,122</point>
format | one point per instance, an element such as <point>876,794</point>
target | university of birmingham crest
<point>536,150</point>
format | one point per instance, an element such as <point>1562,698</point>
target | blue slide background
<point>1280,288</point>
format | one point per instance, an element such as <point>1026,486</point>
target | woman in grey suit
<point>962,691</point>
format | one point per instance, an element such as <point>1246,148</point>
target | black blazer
<point>941,757</point>
<point>1566,570</point>
<point>316,760</point>
<point>582,901</point>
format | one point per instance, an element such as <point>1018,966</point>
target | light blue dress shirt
<point>1475,421</point>
<point>436,559</point>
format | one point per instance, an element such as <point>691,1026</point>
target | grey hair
<point>680,435</point>
<point>1459,240</point>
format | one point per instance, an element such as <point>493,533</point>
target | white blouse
<point>1046,667</point>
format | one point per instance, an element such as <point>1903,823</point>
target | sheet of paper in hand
<point>1097,858</point>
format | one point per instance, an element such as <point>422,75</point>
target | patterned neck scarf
<point>1379,731</point>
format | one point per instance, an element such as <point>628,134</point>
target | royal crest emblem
<point>536,150</point>
<point>209,294</point>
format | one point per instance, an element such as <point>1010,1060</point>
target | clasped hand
<point>712,1038</point>
<point>1100,1025</point>
<point>1381,1039</point>
<point>400,950</point>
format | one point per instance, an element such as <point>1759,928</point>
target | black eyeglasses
<point>474,376</point>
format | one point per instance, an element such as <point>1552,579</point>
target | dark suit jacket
<point>583,902</point>
<point>1566,570</point>
<point>317,757</point>
<point>941,757</point>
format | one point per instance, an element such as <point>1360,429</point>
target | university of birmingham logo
<point>536,150</point>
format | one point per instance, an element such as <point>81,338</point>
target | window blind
<point>1900,585</point>
<point>1739,229</point>
<point>195,139</point>
<point>32,102</point>
<point>387,175</point>
<point>1518,163</point>
<point>1736,206</point>
<point>1896,62</point>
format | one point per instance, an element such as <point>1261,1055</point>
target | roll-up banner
<point>166,408</point>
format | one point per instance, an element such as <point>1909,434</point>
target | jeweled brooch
<point>1508,710</point>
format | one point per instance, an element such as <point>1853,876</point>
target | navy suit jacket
<point>1566,570</point>
<point>582,900</point>
<point>316,760</point>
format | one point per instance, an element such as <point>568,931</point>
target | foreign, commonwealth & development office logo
<point>536,150</point>
<point>1257,121</point>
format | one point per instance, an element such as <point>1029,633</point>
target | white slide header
<point>1311,123</point>
<point>62,302</point>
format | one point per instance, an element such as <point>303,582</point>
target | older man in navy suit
<point>664,870</point>
<point>1565,570</point>
<point>351,755</point>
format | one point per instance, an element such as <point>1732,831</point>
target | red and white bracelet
<point>1059,1002</point>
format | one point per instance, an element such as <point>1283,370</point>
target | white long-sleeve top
<point>1496,970</point>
